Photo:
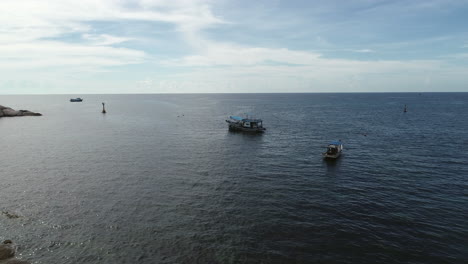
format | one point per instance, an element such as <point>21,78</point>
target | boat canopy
<point>335,143</point>
<point>238,118</point>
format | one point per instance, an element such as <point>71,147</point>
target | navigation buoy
<point>103,108</point>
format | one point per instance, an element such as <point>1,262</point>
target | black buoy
<point>103,109</point>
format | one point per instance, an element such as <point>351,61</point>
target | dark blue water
<point>160,179</point>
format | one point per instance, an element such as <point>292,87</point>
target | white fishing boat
<point>237,123</point>
<point>334,150</point>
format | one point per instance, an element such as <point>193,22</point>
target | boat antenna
<point>103,108</point>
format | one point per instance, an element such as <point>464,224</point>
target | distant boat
<point>76,100</point>
<point>237,123</point>
<point>405,110</point>
<point>334,150</point>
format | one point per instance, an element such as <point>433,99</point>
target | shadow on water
<point>249,144</point>
<point>333,165</point>
<point>247,135</point>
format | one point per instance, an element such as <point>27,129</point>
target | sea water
<point>160,179</point>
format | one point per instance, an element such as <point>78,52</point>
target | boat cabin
<point>245,124</point>
<point>76,100</point>
<point>334,149</point>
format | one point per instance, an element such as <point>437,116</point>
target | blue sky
<point>194,46</point>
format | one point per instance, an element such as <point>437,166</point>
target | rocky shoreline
<point>7,254</point>
<point>8,112</point>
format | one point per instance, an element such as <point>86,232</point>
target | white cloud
<point>457,56</point>
<point>219,54</point>
<point>289,62</point>
<point>32,40</point>
<point>104,39</point>
<point>364,51</point>
<point>52,53</point>
<point>28,27</point>
<point>222,67</point>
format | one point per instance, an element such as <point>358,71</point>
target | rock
<point>8,112</point>
<point>10,215</point>
<point>14,261</point>
<point>7,254</point>
<point>29,113</point>
<point>7,250</point>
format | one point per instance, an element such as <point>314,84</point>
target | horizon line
<point>386,92</point>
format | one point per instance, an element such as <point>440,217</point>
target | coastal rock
<point>28,113</point>
<point>7,254</point>
<point>14,261</point>
<point>7,250</point>
<point>8,112</point>
<point>10,215</point>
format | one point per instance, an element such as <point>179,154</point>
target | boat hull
<point>244,129</point>
<point>233,126</point>
<point>331,156</point>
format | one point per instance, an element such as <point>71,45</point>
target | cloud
<point>223,67</point>
<point>457,56</point>
<point>283,61</point>
<point>219,54</point>
<point>53,54</point>
<point>104,39</point>
<point>61,15</point>
<point>33,33</point>
<point>364,51</point>
<point>73,38</point>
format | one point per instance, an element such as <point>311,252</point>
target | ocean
<point>160,179</point>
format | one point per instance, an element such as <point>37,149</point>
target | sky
<point>232,46</point>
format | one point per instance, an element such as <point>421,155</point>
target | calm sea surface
<point>160,179</point>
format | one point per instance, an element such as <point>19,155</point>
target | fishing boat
<point>334,150</point>
<point>237,123</point>
<point>76,100</point>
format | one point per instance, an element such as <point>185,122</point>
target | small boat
<point>334,150</point>
<point>405,110</point>
<point>76,100</point>
<point>237,123</point>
